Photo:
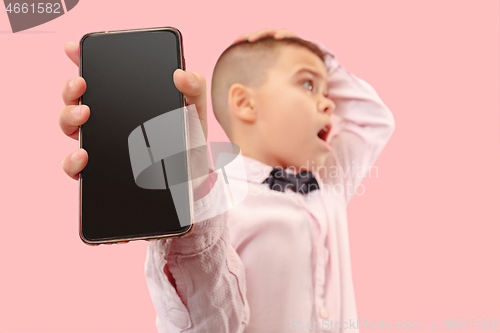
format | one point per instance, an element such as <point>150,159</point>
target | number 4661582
<point>48,8</point>
<point>485,324</point>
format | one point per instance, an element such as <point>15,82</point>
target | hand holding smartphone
<point>129,81</point>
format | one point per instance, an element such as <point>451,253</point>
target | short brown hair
<point>247,63</point>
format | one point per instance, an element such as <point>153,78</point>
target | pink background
<point>424,236</point>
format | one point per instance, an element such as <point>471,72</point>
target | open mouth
<point>323,133</point>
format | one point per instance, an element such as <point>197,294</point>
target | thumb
<point>193,86</point>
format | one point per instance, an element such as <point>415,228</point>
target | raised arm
<point>363,125</point>
<point>197,282</point>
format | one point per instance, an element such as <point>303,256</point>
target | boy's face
<point>292,109</point>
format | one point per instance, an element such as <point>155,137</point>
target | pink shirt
<point>276,262</point>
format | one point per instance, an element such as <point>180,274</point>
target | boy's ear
<point>241,103</point>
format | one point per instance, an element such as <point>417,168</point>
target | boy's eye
<point>310,84</point>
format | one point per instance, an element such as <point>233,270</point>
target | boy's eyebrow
<point>311,71</point>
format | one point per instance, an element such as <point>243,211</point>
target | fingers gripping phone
<point>131,95</point>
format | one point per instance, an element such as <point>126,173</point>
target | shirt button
<point>324,313</point>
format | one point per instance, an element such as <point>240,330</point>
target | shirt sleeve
<point>210,291</point>
<point>362,125</point>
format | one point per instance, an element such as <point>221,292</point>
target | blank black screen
<point>129,79</point>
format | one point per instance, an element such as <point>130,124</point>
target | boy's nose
<point>327,106</point>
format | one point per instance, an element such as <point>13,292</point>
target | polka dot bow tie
<point>303,182</point>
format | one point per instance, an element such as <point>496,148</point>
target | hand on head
<point>276,33</point>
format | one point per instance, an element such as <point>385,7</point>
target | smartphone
<point>129,77</point>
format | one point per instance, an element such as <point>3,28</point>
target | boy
<point>279,260</point>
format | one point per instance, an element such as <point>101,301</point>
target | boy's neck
<point>268,160</point>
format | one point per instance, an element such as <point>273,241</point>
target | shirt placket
<point>322,253</point>
<point>314,206</point>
